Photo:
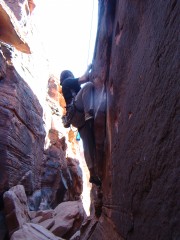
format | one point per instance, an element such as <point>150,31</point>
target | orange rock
<point>10,30</point>
<point>32,5</point>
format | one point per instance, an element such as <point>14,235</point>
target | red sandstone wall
<point>136,66</point>
<point>33,141</point>
<point>21,131</point>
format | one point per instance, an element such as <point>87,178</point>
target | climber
<point>80,113</point>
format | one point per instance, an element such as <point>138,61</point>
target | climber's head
<point>65,74</point>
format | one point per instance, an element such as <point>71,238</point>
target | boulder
<point>42,216</point>
<point>35,232</point>
<point>47,223</point>
<point>68,217</point>
<point>16,210</point>
<point>63,221</point>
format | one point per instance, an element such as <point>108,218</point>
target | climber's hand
<point>89,67</point>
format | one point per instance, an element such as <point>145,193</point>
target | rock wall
<point>33,142</point>
<point>136,67</point>
<point>13,29</point>
<point>21,130</point>
<point>36,151</point>
<point>137,111</point>
<point>22,133</point>
<point>61,178</point>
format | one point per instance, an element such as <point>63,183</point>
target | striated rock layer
<point>137,111</point>
<point>136,66</point>
<point>21,131</point>
<point>36,151</point>
<point>33,142</point>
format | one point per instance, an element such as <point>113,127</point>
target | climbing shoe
<point>95,180</point>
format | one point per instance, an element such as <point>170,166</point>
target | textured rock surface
<point>76,185</point>
<point>61,174</point>
<point>21,131</point>
<point>64,220</point>
<point>22,127</point>
<point>10,30</point>
<point>136,79</point>
<point>46,174</point>
<point>16,209</point>
<point>35,232</point>
<point>136,61</point>
<point>68,218</point>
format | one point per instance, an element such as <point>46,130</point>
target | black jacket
<point>70,88</point>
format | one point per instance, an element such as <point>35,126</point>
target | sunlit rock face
<point>32,5</point>
<point>63,159</point>
<point>21,131</point>
<point>13,28</point>
<point>62,177</point>
<point>36,151</point>
<point>136,63</point>
<point>22,134</point>
<point>34,142</point>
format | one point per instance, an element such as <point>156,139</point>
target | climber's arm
<point>85,77</point>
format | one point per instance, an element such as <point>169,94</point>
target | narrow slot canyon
<point>45,191</point>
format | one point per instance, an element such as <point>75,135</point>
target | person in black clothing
<point>83,116</point>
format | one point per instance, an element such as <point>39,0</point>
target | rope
<point>90,32</point>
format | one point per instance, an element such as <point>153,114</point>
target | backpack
<point>70,111</point>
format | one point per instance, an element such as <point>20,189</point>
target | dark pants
<point>84,104</point>
<point>87,135</point>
